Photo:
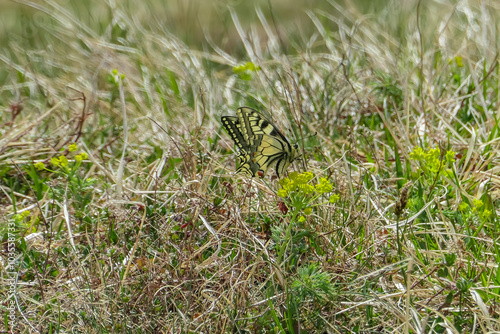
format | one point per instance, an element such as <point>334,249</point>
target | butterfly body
<point>260,144</point>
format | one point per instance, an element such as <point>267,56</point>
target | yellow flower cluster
<point>302,194</point>
<point>81,156</point>
<point>245,71</point>
<point>431,158</point>
<point>334,198</point>
<point>62,160</point>
<point>477,207</point>
<point>296,183</point>
<point>324,186</point>
<point>40,165</point>
<point>19,217</point>
<point>299,183</point>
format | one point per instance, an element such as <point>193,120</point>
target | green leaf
<point>443,272</point>
<point>113,237</point>
<point>449,297</point>
<point>450,259</point>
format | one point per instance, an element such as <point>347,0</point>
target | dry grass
<point>153,232</point>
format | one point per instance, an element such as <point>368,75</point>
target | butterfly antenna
<point>314,135</point>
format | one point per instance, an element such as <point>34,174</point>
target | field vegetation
<point>120,211</point>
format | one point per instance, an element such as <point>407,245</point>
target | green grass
<point>117,226</point>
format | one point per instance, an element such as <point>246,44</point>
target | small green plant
<point>434,171</point>
<point>387,87</point>
<point>116,79</point>
<point>313,286</point>
<point>434,174</point>
<point>19,224</point>
<point>299,193</point>
<point>302,196</point>
<point>457,69</point>
<point>433,162</point>
<point>74,186</point>
<point>246,71</point>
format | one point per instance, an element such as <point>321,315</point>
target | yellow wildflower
<point>334,198</point>
<point>40,165</point>
<point>63,161</point>
<point>282,193</point>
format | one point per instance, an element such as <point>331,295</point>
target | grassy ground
<point>111,225</point>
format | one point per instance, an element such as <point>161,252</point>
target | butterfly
<point>260,144</point>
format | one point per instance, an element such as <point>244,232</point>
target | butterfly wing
<point>261,145</point>
<point>234,129</point>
